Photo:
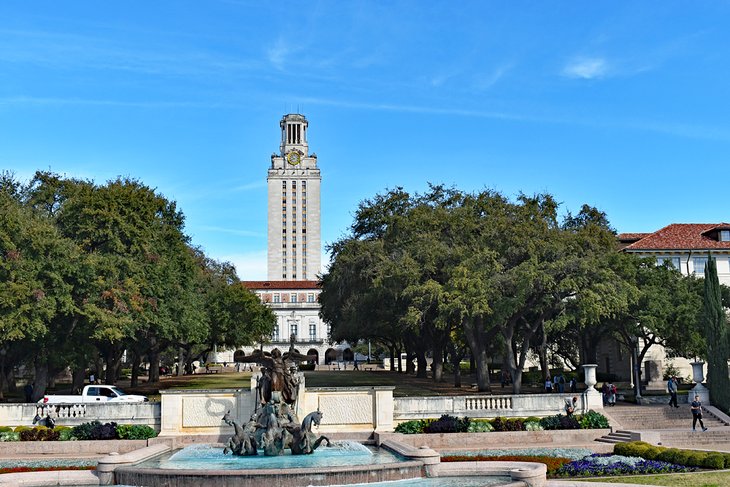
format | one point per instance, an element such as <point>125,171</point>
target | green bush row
<point>88,431</point>
<point>451,424</point>
<point>688,458</point>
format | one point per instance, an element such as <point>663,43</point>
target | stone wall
<point>521,405</point>
<point>147,413</point>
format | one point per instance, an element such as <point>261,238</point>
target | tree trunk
<point>77,381</point>
<point>180,361</point>
<point>392,358</point>
<point>438,360</point>
<point>40,383</point>
<point>113,361</point>
<point>422,370</point>
<point>154,358</point>
<point>477,341</point>
<point>136,363</point>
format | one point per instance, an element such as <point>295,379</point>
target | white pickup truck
<point>94,393</point>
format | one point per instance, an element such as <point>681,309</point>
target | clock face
<point>294,157</point>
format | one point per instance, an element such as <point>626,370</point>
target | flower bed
<point>87,431</point>
<point>552,463</point>
<point>690,458</point>
<point>607,465</point>
<point>19,466</point>
<point>41,469</point>
<point>452,424</point>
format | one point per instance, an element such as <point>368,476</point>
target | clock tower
<point>293,206</point>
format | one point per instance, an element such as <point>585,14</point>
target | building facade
<point>686,246</point>
<point>294,251</point>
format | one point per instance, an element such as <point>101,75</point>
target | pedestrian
<point>561,384</point>
<point>573,384</point>
<point>571,406</point>
<point>548,384</point>
<point>604,393</point>
<point>696,408</point>
<point>672,388</point>
<point>612,394</point>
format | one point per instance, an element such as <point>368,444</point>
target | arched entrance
<point>347,355</point>
<point>312,352</point>
<point>238,355</point>
<point>330,356</point>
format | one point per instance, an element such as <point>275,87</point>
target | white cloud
<point>250,266</point>
<point>232,231</point>
<point>586,68</point>
<point>278,53</point>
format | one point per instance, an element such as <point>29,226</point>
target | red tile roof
<point>280,285</point>
<point>682,236</point>
<point>633,237</point>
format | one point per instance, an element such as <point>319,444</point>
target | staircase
<point>619,436</point>
<point>666,426</point>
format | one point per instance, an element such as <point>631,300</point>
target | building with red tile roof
<point>684,245</point>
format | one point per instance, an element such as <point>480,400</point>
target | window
<point>312,331</point>
<point>294,210</point>
<point>275,334</point>
<point>310,297</point>
<point>699,264</point>
<point>304,230</point>
<point>304,184</point>
<point>277,298</point>
<point>673,261</point>
<point>293,298</point>
<point>293,185</point>
<point>283,230</point>
<point>283,185</point>
<point>294,276</point>
<point>724,235</point>
<point>294,328</point>
<point>283,276</point>
<point>283,210</point>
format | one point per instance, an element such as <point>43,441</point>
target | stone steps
<point>619,436</point>
<point>658,417</point>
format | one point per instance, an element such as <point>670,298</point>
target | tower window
<point>293,185</point>
<point>304,184</point>
<point>283,185</point>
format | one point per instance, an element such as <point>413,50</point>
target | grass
<point>699,479</point>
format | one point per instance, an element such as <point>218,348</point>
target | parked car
<point>94,393</point>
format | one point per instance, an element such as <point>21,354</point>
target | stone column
<point>591,397</point>
<point>698,376</point>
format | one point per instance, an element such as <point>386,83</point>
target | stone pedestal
<point>654,374</point>
<point>698,375</point>
<point>591,397</point>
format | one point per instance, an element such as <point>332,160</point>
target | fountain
<point>288,446</point>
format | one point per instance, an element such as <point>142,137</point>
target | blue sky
<point>622,105</point>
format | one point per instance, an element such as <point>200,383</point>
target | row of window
<point>294,185</point>
<point>293,298</point>
<point>294,330</point>
<point>698,263</point>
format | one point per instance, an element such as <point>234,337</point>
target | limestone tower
<point>294,206</point>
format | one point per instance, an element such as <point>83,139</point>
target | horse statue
<point>304,441</point>
<point>243,442</point>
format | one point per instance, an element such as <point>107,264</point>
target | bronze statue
<point>276,373</point>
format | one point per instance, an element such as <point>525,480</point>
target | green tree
<point>716,329</point>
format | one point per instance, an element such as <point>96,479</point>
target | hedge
<point>688,458</point>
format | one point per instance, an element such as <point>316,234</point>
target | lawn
<point>405,385</point>
<point>699,479</point>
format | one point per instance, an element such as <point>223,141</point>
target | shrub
<point>135,432</point>
<point>5,429</point>
<point>107,431</point>
<point>39,433</point>
<point>593,420</point>
<point>412,427</point>
<point>9,436</point>
<point>727,460</point>
<point>480,426</point>
<point>532,426</point>
<point>568,423</point>
<point>448,424</point>
<point>669,455</point>
<point>18,429</point>
<point>65,434</point>
<point>550,422</point>
<point>553,463</point>
<point>532,419</point>
<point>504,424</point>
<point>695,458</point>
<point>714,460</point>
<point>653,452</point>
<point>83,431</point>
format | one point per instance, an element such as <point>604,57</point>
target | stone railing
<point>147,413</point>
<point>483,406</point>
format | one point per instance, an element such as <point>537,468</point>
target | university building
<point>294,250</point>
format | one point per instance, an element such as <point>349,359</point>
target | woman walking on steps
<point>697,414</point>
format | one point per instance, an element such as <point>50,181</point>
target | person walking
<point>612,394</point>
<point>672,388</point>
<point>696,408</point>
<point>548,384</point>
